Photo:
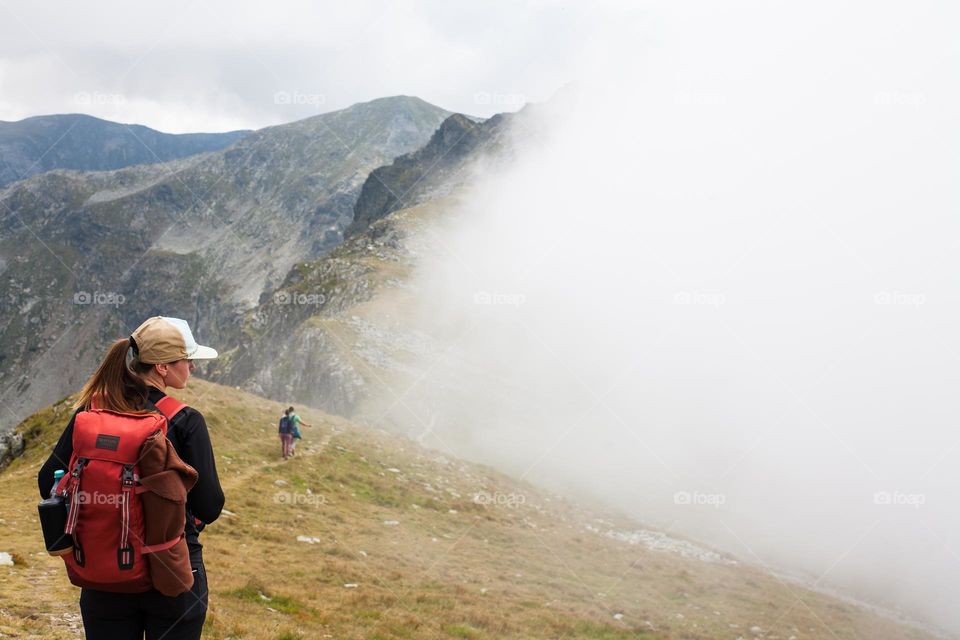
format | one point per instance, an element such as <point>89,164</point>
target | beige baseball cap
<point>161,339</point>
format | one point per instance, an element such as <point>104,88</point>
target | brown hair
<point>116,385</point>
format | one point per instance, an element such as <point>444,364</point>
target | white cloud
<point>206,66</point>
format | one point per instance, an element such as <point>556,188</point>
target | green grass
<point>606,632</point>
<point>462,631</point>
<point>255,593</point>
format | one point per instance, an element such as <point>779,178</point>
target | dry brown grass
<point>451,568</point>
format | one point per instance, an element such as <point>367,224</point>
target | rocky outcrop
<point>437,169</point>
<point>11,446</point>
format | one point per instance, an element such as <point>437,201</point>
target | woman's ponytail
<point>114,386</point>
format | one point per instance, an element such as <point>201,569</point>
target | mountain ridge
<point>200,237</point>
<point>83,142</point>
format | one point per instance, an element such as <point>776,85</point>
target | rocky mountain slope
<point>367,535</point>
<point>84,257</point>
<point>76,141</point>
<point>336,326</point>
<point>333,327</point>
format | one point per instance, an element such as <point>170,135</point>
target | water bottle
<point>53,520</point>
<point>59,473</point>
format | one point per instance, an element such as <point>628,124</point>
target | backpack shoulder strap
<point>169,406</point>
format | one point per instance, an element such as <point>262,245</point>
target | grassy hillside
<point>365,535</point>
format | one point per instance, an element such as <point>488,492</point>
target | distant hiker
<point>285,429</point>
<point>138,501</point>
<point>297,436</point>
<point>295,423</point>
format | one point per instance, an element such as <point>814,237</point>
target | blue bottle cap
<point>59,473</point>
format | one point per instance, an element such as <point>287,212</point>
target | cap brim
<point>203,353</point>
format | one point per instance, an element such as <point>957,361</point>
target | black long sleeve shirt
<point>189,436</point>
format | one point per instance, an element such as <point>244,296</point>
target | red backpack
<point>105,509</point>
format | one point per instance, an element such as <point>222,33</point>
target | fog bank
<point>721,293</point>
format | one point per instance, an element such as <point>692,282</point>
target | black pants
<point>127,616</point>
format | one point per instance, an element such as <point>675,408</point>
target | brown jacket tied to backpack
<point>165,480</point>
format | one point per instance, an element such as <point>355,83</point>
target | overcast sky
<point>216,66</point>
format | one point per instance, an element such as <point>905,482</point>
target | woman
<point>295,423</point>
<point>132,378</point>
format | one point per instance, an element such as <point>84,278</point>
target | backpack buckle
<point>127,478</point>
<point>125,557</point>
<point>78,467</point>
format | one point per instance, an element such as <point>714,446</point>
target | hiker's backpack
<point>286,425</point>
<point>105,509</point>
